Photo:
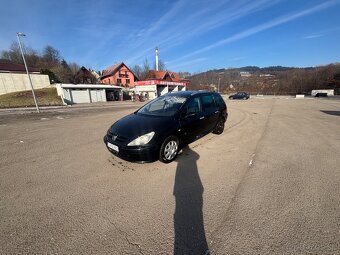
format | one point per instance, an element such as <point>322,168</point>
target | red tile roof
<point>113,69</point>
<point>175,76</point>
<point>160,75</point>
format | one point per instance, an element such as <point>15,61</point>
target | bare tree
<point>32,57</point>
<point>161,65</point>
<point>184,75</point>
<point>137,70</point>
<point>145,70</point>
<point>13,54</point>
<point>74,68</point>
<point>63,72</point>
<point>51,57</point>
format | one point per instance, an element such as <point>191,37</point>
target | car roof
<point>188,93</point>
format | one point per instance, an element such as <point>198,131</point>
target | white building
<point>330,92</point>
<point>88,93</point>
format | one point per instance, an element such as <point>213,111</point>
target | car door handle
<point>202,118</point>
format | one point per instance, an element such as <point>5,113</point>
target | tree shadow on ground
<point>188,218</point>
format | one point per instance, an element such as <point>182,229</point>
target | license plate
<point>113,147</point>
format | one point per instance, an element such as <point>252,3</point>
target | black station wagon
<point>159,129</point>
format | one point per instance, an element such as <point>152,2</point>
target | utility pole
<point>218,86</point>
<point>29,77</point>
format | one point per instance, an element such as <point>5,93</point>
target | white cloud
<point>313,36</point>
<point>322,33</point>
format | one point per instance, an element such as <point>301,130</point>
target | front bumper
<point>139,154</point>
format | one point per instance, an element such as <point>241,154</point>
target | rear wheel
<point>219,128</point>
<point>169,149</point>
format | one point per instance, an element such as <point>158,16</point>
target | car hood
<point>134,125</point>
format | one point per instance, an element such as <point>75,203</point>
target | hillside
<point>269,80</point>
<point>45,97</point>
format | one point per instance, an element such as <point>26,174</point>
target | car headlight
<point>142,140</point>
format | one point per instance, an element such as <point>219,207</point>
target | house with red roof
<point>118,74</point>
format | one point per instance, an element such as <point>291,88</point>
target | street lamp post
<point>219,81</point>
<point>29,77</point>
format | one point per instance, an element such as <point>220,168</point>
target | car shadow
<point>188,218</point>
<point>336,113</point>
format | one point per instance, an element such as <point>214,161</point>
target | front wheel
<point>169,149</point>
<point>219,128</point>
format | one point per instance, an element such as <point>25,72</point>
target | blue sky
<point>192,35</point>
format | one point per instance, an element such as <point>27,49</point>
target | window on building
<point>127,81</point>
<point>109,81</point>
<point>119,81</point>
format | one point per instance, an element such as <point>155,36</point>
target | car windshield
<point>163,106</point>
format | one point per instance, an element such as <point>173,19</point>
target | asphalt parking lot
<point>270,184</point>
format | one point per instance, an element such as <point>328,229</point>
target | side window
<point>219,100</point>
<point>208,102</point>
<point>193,106</point>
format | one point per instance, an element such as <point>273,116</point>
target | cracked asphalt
<point>270,184</point>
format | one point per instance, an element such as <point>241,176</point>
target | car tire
<point>169,149</point>
<point>219,128</point>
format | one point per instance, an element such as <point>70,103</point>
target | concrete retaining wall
<point>12,82</point>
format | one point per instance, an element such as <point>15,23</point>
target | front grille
<point>117,138</point>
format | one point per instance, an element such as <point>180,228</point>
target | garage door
<point>97,95</point>
<point>80,96</point>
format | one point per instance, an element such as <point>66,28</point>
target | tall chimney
<point>156,58</point>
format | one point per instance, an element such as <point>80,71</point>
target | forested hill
<point>255,69</point>
<point>269,80</point>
